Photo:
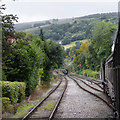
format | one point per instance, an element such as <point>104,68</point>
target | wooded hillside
<point>66,31</point>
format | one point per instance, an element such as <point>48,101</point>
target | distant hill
<point>28,25</point>
<point>69,29</point>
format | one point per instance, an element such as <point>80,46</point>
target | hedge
<point>15,91</point>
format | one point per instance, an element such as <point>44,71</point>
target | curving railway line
<point>96,82</point>
<point>84,86</point>
<point>94,86</point>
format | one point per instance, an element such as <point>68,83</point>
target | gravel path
<point>77,103</point>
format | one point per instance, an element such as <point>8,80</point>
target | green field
<point>73,44</point>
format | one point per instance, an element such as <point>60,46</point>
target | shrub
<point>5,101</point>
<point>22,87</point>
<point>90,73</point>
<point>15,91</point>
<point>6,105</point>
<point>21,65</point>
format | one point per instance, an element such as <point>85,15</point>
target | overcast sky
<point>37,10</point>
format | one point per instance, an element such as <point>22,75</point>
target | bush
<point>5,101</point>
<point>21,65</point>
<point>22,87</point>
<point>15,91</point>
<point>90,73</point>
<point>6,105</point>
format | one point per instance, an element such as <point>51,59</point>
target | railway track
<point>85,88</point>
<point>94,86</point>
<point>96,82</point>
<point>42,109</point>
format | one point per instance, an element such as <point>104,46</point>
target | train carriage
<point>111,73</point>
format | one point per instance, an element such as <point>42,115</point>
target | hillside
<point>37,24</point>
<point>67,30</point>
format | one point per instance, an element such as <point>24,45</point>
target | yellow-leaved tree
<point>79,57</point>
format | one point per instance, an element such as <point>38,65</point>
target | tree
<point>101,39</point>
<point>7,28</point>
<point>53,55</point>
<point>20,35</point>
<point>41,35</point>
<point>91,58</point>
<point>101,42</point>
<point>21,65</point>
<point>80,56</point>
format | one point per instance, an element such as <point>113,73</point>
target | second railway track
<point>94,86</point>
<point>48,106</point>
<point>96,82</point>
<point>93,92</point>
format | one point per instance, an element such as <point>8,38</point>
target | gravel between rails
<point>77,103</point>
<point>88,82</point>
<point>101,94</point>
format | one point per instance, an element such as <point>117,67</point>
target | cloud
<point>37,11</point>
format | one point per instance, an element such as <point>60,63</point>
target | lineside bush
<point>6,105</point>
<point>15,91</point>
<point>21,64</point>
<point>90,73</point>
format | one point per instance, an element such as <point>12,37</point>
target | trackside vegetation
<point>28,60</point>
<point>86,57</point>
<point>97,49</point>
<point>15,91</point>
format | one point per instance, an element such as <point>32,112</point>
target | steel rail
<point>91,86</point>
<point>33,109</point>
<point>88,80</point>
<point>109,105</point>
<point>59,100</point>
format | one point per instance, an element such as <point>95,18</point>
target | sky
<point>38,10</point>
